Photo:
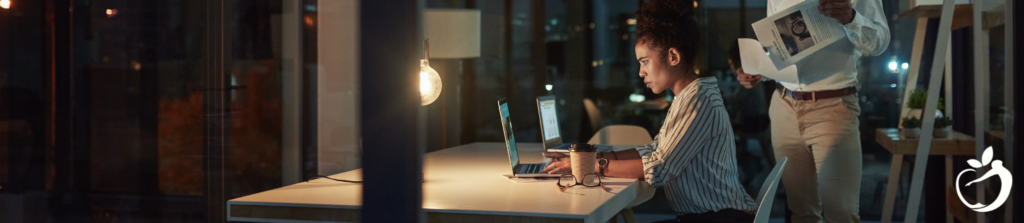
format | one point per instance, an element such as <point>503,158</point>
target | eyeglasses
<point>589,180</point>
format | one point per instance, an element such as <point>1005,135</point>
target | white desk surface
<point>466,179</point>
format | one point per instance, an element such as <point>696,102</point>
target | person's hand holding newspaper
<point>747,80</point>
<point>841,10</point>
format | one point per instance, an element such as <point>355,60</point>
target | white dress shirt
<point>694,155</point>
<point>835,66</point>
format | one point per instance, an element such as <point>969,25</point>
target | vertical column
<point>215,126</point>
<point>538,48</point>
<point>915,64</point>
<point>148,110</point>
<point>1008,117</point>
<point>578,69</point>
<point>310,98</point>
<point>338,88</point>
<point>291,92</point>
<point>466,94</point>
<point>890,189</point>
<point>389,53</point>
<point>928,119</point>
<point>58,76</point>
<point>980,99</point>
<point>949,183</point>
<point>949,80</point>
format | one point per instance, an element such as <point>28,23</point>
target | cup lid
<point>583,147</point>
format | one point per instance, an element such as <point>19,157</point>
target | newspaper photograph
<point>796,32</point>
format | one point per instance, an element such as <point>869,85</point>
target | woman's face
<point>654,69</point>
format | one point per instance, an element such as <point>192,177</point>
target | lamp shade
<point>453,33</point>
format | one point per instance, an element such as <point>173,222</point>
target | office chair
<point>767,194</point>
<point>626,135</point>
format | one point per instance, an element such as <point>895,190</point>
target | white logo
<point>997,169</point>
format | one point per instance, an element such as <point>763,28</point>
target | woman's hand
<point>560,163</point>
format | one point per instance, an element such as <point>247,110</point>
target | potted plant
<point>917,101</point>
<point>911,127</point>
<point>942,127</point>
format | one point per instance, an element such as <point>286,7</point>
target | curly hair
<point>669,24</point>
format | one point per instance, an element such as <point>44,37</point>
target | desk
<point>462,184</point>
<point>956,144</point>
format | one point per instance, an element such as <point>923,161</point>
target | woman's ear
<point>674,58</point>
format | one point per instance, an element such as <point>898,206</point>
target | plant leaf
<point>986,157</point>
<point>974,163</point>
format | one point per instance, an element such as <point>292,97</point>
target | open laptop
<point>549,126</point>
<point>518,169</point>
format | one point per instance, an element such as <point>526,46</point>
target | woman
<point>693,157</point>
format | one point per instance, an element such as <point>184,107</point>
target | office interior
<point>167,110</point>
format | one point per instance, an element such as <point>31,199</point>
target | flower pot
<point>919,113</point>
<point>943,132</point>
<point>915,113</point>
<point>911,133</point>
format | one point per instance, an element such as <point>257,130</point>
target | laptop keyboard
<point>532,168</point>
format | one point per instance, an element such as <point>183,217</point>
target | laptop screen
<point>506,124</point>
<point>549,118</point>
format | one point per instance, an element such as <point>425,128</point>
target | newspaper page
<point>755,60</point>
<point>796,32</point>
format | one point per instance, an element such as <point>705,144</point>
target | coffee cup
<point>583,157</point>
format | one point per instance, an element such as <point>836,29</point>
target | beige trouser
<point>823,145</point>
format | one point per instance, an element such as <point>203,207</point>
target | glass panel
<point>120,113</point>
<point>253,148</point>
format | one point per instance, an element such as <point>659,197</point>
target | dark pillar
<point>468,96</point>
<point>61,126</point>
<point>389,57</point>
<point>538,49</point>
<point>579,54</point>
<point>216,123</point>
<point>310,129</point>
<point>1018,100</point>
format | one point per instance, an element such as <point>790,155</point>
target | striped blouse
<point>694,155</point>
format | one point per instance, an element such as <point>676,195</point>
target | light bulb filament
<point>424,83</point>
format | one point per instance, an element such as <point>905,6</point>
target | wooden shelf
<point>956,144</point>
<point>996,134</point>
<point>962,15</point>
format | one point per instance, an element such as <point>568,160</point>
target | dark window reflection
<point>133,126</point>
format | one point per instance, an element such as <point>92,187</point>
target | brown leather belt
<point>815,95</point>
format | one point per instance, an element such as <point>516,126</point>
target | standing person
<point>694,155</point>
<point>814,122</point>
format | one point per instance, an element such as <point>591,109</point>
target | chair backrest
<point>621,135</point>
<point>767,194</point>
<point>592,113</point>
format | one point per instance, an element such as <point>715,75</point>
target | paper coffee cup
<point>584,157</point>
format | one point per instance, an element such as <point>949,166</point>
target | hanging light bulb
<point>6,4</point>
<point>430,81</point>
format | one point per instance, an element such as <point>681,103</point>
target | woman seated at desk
<point>693,157</point>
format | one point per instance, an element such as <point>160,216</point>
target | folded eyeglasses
<point>589,180</point>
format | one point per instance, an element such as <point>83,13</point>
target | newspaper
<point>794,33</point>
<point>754,60</point>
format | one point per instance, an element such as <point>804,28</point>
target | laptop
<point>549,130</point>
<point>518,169</point>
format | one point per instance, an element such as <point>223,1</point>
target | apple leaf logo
<point>997,170</point>
<point>986,158</point>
